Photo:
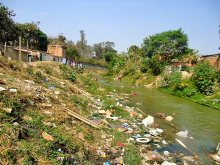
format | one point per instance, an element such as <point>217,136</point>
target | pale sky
<point>125,22</point>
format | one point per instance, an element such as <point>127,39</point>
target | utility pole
<point>19,48</point>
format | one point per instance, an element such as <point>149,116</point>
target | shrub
<point>204,77</point>
<point>170,78</point>
<point>185,68</point>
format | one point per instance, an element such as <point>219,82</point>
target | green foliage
<point>73,54</point>
<point>48,70</point>
<point>72,76</point>
<point>204,77</point>
<point>169,44</point>
<point>92,61</point>
<point>185,68</point>
<point>7,25</point>
<point>30,32</point>
<point>170,78</point>
<point>109,57</point>
<point>132,156</point>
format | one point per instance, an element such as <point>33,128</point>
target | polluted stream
<point>201,122</point>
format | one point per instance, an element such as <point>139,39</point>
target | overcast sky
<point>125,22</point>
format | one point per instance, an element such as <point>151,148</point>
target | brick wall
<point>56,50</point>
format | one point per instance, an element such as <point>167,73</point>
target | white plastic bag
<point>183,134</point>
<point>148,121</point>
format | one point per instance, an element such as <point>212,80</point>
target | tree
<point>99,49</point>
<point>59,40</point>
<point>108,46</point>
<point>72,54</point>
<point>7,25</point>
<point>168,45</point>
<point>161,48</point>
<point>104,47</point>
<point>30,32</point>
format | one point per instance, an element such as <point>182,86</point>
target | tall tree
<point>109,47</point>
<point>7,25</point>
<point>159,49</point>
<point>82,44</point>
<point>99,49</point>
<point>30,32</point>
<point>167,45</point>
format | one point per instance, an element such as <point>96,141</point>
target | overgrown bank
<point>149,65</point>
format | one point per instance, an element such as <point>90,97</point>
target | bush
<point>185,68</point>
<point>72,77</point>
<point>144,66</point>
<point>204,77</point>
<point>170,78</point>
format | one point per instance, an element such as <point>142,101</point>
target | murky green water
<point>202,123</point>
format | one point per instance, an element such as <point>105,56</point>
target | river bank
<point>200,121</point>
<point>46,114</point>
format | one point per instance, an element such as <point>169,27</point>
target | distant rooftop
<point>210,55</point>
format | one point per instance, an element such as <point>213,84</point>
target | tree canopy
<point>10,31</point>
<point>168,45</point>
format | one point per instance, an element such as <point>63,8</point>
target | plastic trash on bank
<point>148,121</point>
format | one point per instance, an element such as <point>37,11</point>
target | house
<point>213,59</point>
<point>56,50</point>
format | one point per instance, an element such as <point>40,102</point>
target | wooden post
<point>19,48</point>
<point>27,52</point>
<point>5,48</point>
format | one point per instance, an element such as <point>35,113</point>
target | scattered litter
<point>13,90</point>
<point>47,136</point>
<point>215,157</point>
<point>164,142</point>
<point>59,150</point>
<point>113,118</point>
<point>57,92</point>
<point>154,155</point>
<point>166,153</point>
<point>50,86</point>
<point>143,140</point>
<point>29,81</point>
<point>138,103</point>
<point>159,130</point>
<point>167,163</point>
<point>8,110</point>
<point>108,113</point>
<point>15,124</point>
<point>47,112</point>
<point>2,89</point>
<point>121,144</point>
<point>161,115</point>
<point>102,112</point>
<point>181,143</point>
<point>137,136</point>
<point>148,121</point>
<point>45,105</point>
<point>182,134</point>
<point>147,135</point>
<point>169,118</point>
<point>153,132</point>
<point>107,163</point>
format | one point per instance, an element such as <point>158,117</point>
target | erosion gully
<point>202,123</point>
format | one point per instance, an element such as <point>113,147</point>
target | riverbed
<point>200,121</point>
